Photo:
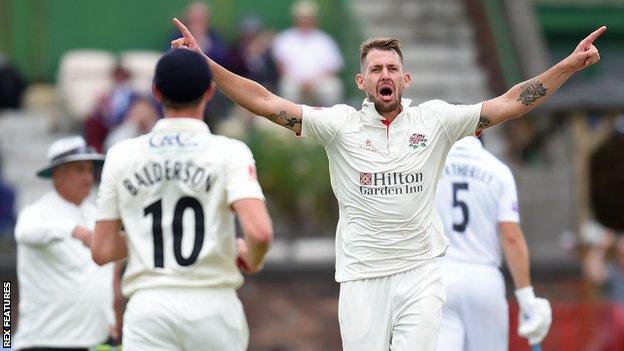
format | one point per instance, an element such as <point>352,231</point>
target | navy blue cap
<point>182,75</point>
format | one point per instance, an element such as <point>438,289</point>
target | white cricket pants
<point>188,319</point>
<point>475,317</point>
<point>399,312</point>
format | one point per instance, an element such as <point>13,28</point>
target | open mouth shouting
<point>386,92</point>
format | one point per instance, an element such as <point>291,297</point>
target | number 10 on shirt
<point>155,210</point>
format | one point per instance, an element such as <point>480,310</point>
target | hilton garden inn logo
<point>390,183</point>
<point>418,141</point>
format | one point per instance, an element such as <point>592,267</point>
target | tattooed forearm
<point>282,119</point>
<point>531,91</point>
<point>292,121</point>
<point>484,122</point>
<point>277,117</point>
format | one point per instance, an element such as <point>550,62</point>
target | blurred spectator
<point>198,22</point>
<point>308,59</point>
<point>7,206</point>
<point>198,16</point>
<point>140,119</point>
<point>12,85</point>
<point>251,56</point>
<point>606,177</point>
<point>121,113</point>
<point>601,269</point>
<point>604,266</point>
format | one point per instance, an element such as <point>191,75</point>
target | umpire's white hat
<point>69,149</point>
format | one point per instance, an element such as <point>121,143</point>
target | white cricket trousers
<point>399,312</point>
<point>189,319</point>
<point>475,317</point>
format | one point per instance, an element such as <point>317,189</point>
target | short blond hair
<point>386,44</point>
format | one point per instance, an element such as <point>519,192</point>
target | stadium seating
<point>141,65</point>
<point>83,76</point>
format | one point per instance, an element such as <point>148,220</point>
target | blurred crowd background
<point>85,67</point>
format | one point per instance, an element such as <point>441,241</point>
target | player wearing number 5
<point>174,190</point>
<point>476,198</point>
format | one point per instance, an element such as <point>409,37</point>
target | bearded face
<point>383,80</point>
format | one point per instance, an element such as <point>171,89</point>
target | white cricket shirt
<point>476,193</point>
<point>66,300</point>
<point>172,189</point>
<point>385,178</point>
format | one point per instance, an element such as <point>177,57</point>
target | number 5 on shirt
<point>461,226</point>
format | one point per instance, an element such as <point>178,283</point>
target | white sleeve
<point>321,123</point>
<point>508,209</point>
<point>108,198</point>
<point>33,228</point>
<point>459,120</point>
<point>240,175</point>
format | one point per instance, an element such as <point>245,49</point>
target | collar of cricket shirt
<point>372,117</point>
<point>390,139</point>
<point>180,124</point>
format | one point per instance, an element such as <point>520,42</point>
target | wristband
<point>525,297</point>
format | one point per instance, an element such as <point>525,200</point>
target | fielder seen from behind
<point>176,190</point>
<point>385,160</point>
<point>476,198</point>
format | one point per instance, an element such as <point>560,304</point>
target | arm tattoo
<point>484,122</point>
<point>531,91</point>
<point>282,119</point>
<point>291,121</point>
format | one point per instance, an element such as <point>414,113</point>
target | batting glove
<point>535,315</point>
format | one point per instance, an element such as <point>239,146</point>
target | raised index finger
<point>593,36</point>
<point>185,32</point>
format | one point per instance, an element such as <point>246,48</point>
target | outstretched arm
<point>525,96</point>
<point>245,92</point>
